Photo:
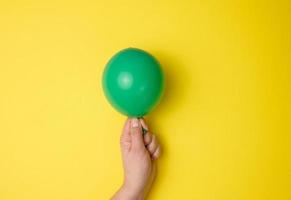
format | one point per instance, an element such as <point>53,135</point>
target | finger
<point>144,125</point>
<point>126,126</point>
<point>157,153</point>
<point>125,138</point>
<point>125,135</point>
<point>153,145</point>
<point>136,134</point>
<point>147,138</point>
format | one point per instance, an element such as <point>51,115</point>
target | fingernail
<point>134,123</point>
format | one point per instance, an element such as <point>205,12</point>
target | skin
<point>138,155</point>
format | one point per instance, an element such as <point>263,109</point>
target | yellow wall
<point>224,122</point>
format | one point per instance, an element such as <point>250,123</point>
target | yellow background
<point>224,122</point>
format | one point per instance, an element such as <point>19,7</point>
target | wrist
<point>132,193</point>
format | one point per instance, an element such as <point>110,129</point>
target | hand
<point>138,155</point>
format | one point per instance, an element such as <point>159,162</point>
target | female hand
<point>138,154</point>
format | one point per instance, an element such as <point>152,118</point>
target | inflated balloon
<point>133,82</point>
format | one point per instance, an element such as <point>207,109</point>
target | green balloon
<point>133,82</point>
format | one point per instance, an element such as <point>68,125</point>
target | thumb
<point>136,134</point>
<point>125,138</point>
